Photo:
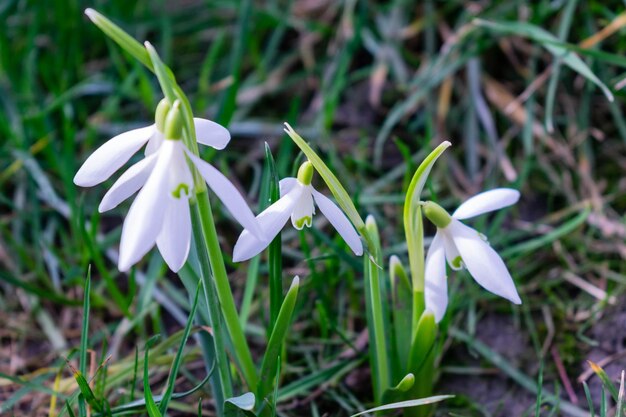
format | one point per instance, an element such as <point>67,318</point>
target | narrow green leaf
<point>552,44</point>
<point>179,354</point>
<point>82,361</point>
<point>395,394</point>
<point>619,412</point>
<point>274,346</point>
<point>401,296</point>
<point>151,407</point>
<point>70,412</point>
<point>275,248</point>
<point>412,218</point>
<point>141,403</point>
<point>240,406</point>
<point>375,314</point>
<point>592,411</point>
<point>161,71</point>
<point>606,380</point>
<point>405,404</point>
<point>119,36</point>
<point>85,390</point>
<point>423,341</point>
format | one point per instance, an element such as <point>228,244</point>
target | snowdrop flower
<point>463,246</point>
<point>160,213</point>
<point>297,201</point>
<point>117,151</point>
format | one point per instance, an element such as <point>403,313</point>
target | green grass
<point>441,74</point>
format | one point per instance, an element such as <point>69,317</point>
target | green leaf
<point>151,407</point>
<point>375,314</point>
<point>82,362</point>
<point>412,217</point>
<point>70,412</point>
<point>240,406</point>
<point>396,393</point>
<point>163,74</point>
<point>606,380</point>
<point>86,391</point>
<point>401,296</point>
<point>179,354</point>
<point>141,403</point>
<point>620,398</point>
<point>119,36</point>
<point>275,259</point>
<point>405,404</point>
<point>423,341</point>
<point>552,44</point>
<point>274,346</point>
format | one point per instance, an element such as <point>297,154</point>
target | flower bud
<point>305,173</point>
<point>437,215</point>
<point>161,114</point>
<point>174,123</point>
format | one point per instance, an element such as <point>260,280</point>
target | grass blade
<point>405,404</point>
<point>274,346</point>
<point>552,44</point>
<point>151,407</point>
<point>179,354</point>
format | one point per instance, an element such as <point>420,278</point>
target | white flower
<point>110,157</point>
<point>160,213</point>
<point>297,199</point>
<point>463,246</point>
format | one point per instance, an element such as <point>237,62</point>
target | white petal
<point>128,183</point>
<point>211,134</point>
<point>147,213</point>
<point>109,157</point>
<point>286,184</point>
<point>482,262</point>
<point>228,194</point>
<point>303,211</point>
<point>452,253</point>
<point>338,219</point>
<point>485,202</point>
<point>154,143</point>
<point>175,237</point>
<point>180,177</point>
<point>271,220</point>
<point>436,284</point>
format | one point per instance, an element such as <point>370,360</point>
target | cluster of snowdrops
<point>171,175</point>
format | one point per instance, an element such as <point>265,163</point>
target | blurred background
<point>530,93</point>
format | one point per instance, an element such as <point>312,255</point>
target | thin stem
<point>377,326</point>
<point>221,357</point>
<point>210,241</point>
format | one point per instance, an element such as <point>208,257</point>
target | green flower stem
<point>414,230</point>
<point>380,358</point>
<point>208,239</point>
<point>221,358</point>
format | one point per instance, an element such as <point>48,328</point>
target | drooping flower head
<point>298,200</point>
<point>462,247</point>
<point>160,213</point>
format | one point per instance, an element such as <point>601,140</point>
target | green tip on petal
<point>305,221</point>
<point>161,114</point>
<point>305,173</point>
<point>181,189</point>
<point>436,214</point>
<point>173,128</point>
